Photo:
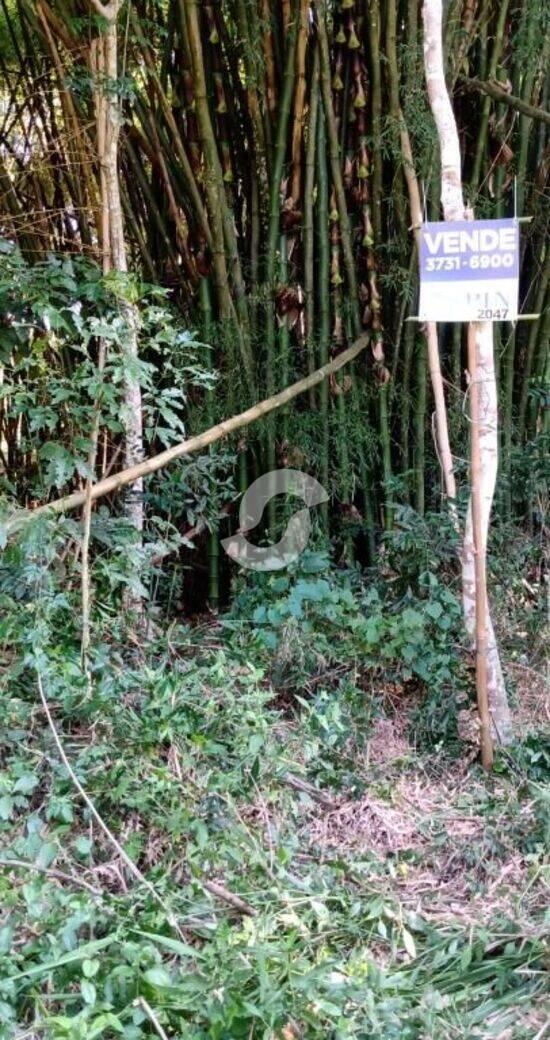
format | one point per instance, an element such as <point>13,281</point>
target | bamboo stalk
<point>498,44</point>
<point>273,238</point>
<point>309,241</point>
<point>299,102</point>
<point>527,372</point>
<point>212,541</point>
<point>419,425</point>
<point>323,300</point>
<point>336,170</point>
<point>223,230</point>
<point>376,103</point>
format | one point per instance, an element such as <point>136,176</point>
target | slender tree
<point>484,416</point>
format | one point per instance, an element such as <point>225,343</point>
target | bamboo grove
<point>267,158</point>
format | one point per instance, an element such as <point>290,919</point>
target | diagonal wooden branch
<point>500,95</point>
<point>194,444</point>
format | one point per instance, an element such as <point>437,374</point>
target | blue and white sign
<point>469,270</point>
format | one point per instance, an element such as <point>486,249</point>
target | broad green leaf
<point>68,958</point>
<point>157,977</point>
<point>173,945</point>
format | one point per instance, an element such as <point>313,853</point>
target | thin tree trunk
<point>441,423</point>
<point>114,258</point>
<point>97,61</point>
<point>133,419</point>
<point>485,469</point>
<point>479,552</point>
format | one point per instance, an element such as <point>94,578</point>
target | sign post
<point>469,270</point>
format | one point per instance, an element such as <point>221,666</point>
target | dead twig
<point>221,892</point>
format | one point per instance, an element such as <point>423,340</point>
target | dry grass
<point>447,858</point>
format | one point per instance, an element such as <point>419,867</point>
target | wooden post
<point>481,638</point>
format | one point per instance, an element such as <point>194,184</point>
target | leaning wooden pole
<point>482,372</point>
<point>194,444</point>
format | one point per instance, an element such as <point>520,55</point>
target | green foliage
<point>180,750</point>
<point>319,616</point>
<point>55,313</point>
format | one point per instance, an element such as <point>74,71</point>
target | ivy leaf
<point>6,807</point>
<point>47,854</point>
<point>61,464</point>
<point>26,783</point>
<point>83,845</point>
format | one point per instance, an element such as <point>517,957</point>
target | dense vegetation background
<point>249,805</point>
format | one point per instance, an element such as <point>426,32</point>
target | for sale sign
<point>469,270</point>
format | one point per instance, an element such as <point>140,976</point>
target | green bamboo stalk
<point>283,360</point>
<point>506,383</point>
<point>526,72</point>
<point>275,199</point>
<point>405,403</point>
<point>542,290</point>
<point>212,541</point>
<point>481,130</point>
<point>336,170</point>
<point>249,32</point>
<point>186,168</point>
<point>154,211</point>
<point>323,302</point>
<point>396,117</point>
<point>373,17</point>
<point>542,375</point>
<point>411,61</point>
<point>419,424</point>
<point>279,154</point>
<point>134,229</point>
<point>221,221</point>
<point>309,241</point>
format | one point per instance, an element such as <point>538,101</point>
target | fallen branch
<point>194,444</point>
<point>223,893</point>
<point>22,864</point>
<point>304,786</point>
<point>142,1003</point>
<point>498,94</point>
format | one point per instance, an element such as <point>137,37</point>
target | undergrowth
<point>286,779</point>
